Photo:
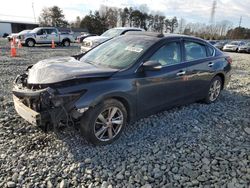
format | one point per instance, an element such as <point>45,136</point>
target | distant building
<point>15,27</point>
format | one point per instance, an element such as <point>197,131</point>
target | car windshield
<point>234,43</point>
<point>23,32</point>
<point>111,33</point>
<point>35,30</point>
<point>220,43</point>
<point>118,53</point>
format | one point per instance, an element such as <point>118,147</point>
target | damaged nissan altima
<point>120,81</point>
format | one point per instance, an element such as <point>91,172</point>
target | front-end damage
<point>44,105</point>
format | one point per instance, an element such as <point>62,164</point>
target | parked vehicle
<point>119,81</point>
<point>91,42</point>
<point>5,35</point>
<point>233,46</point>
<point>11,36</point>
<point>17,35</point>
<point>213,42</point>
<point>84,36</point>
<point>245,48</point>
<point>45,35</point>
<point>220,44</point>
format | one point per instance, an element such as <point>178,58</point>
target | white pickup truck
<point>45,35</point>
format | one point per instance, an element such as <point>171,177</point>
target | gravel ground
<point>191,146</point>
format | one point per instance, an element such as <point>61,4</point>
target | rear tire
<point>66,43</point>
<point>104,123</point>
<point>214,90</point>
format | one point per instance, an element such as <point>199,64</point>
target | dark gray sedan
<point>119,81</point>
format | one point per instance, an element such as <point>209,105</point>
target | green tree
<point>94,23</point>
<point>52,16</point>
<point>171,24</point>
<point>45,18</point>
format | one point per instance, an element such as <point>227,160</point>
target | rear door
<point>52,35</point>
<point>200,66</point>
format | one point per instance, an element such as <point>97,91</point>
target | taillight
<point>229,60</point>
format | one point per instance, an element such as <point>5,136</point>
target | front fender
<point>125,92</point>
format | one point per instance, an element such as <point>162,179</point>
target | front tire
<point>30,43</point>
<point>213,90</point>
<point>104,123</point>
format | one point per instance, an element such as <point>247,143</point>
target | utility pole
<point>33,11</point>
<point>212,19</point>
<point>213,12</point>
<point>240,21</point>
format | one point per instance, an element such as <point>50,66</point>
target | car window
<point>112,33</point>
<point>124,32</point>
<point>168,54</point>
<point>194,50</point>
<point>50,31</point>
<point>41,32</point>
<point>210,51</point>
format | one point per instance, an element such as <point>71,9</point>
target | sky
<point>191,10</point>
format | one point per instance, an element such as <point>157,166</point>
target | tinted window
<point>210,51</point>
<point>41,32</point>
<point>50,31</point>
<point>168,54</point>
<point>112,33</point>
<point>194,51</point>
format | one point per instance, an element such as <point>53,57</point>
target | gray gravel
<point>191,146</point>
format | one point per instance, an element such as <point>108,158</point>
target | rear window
<point>194,50</point>
<point>210,51</point>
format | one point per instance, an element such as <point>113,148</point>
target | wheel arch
<point>66,39</point>
<point>128,104</point>
<point>125,104</point>
<point>30,39</point>
<point>222,76</point>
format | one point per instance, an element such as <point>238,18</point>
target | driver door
<point>158,89</point>
<point>41,36</point>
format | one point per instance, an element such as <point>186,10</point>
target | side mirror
<point>151,66</point>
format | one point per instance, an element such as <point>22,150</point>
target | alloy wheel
<point>214,90</point>
<point>30,43</point>
<point>108,124</point>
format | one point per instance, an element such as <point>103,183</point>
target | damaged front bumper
<point>28,104</point>
<point>43,107</point>
<point>27,113</point>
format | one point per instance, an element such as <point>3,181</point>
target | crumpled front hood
<point>60,69</point>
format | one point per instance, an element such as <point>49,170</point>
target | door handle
<point>210,64</point>
<point>181,73</point>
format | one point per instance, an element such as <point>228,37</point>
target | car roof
<point>46,27</point>
<point>161,35</point>
<point>129,28</point>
